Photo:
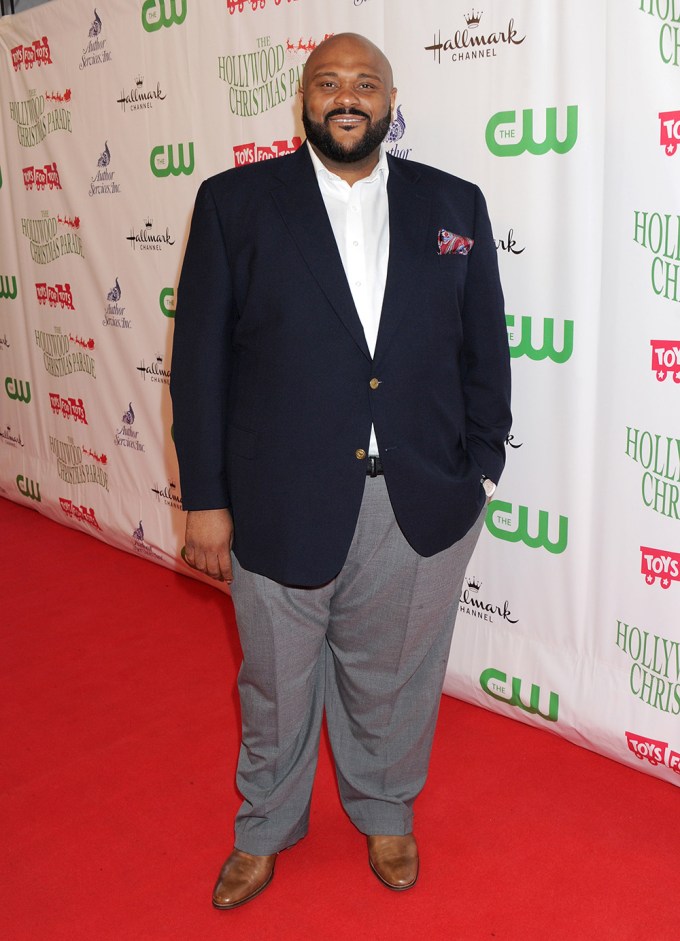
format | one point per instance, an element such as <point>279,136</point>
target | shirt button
<point>355,244</point>
<point>374,383</point>
<point>357,284</point>
<point>359,454</point>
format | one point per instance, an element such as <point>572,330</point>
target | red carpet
<point>120,727</point>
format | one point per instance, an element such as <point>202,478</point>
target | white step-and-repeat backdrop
<point>566,114</point>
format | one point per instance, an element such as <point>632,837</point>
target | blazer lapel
<point>409,215</point>
<point>299,201</point>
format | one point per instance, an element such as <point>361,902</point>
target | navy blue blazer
<point>271,374</point>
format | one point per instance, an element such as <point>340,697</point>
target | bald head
<point>346,48</point>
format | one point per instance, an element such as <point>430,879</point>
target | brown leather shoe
<point>242,878</point>
<point>394,860</point>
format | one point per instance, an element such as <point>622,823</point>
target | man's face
<point>347,99</point>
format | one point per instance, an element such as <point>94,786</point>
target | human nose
<point>346,96</point>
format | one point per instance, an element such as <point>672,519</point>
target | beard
<point>318,134</point>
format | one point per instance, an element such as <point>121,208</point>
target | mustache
<point>340,111</point>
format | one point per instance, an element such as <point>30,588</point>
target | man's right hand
<point>209,535</point>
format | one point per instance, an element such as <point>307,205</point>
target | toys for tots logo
<point>250,153</point>
<point>666,359</point>
<point>660,563</point>
<point>56,295</point>
<point>655,667</point>
<point>37,53</point>
<point>654,751</point>
<point>259,80</point>
<point>46,177</point>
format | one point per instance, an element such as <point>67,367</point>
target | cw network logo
<point>8,287</point>
<point>166,301</point>
<point>495,684</point>
<point>159,13</point>
<point>525,346</point>
<point>18,389</point>
<point>502,133</point>
<point>162,160</point>
<point>28,488</point>
<point>504,523</point>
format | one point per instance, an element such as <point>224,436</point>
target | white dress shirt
<point>359,217</point>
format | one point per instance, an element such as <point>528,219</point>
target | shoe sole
<point>229,905</point>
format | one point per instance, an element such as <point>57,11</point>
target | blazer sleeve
<point>200,369</point>
<point>486,355</point>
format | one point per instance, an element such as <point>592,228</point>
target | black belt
<point>374,467</point>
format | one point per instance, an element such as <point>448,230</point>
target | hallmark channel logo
<point>61,356</point>
<point>114,313</point>
<point>28,488</point>
<point>37,53</point>
<point>8,287</point>
<point>509,245</point>
<point>511,524</point>
<point>473,41</point>
<point>79,513</point>
<point>666,359</point>
<point>249,153</point>
<point>259,80</point>
<point>669,34</point>
<point>103,182</point>
<point>69,408</point>
<point>95,51</point>
<point>56,295</point>
<point>168,495</point>
<point>654,751</point>
<point>154,370</point>
<point>159,14</point>
<point>659,456</point>
<point>47,242</point>
<point>146,240</point>
<point>18,390</point>
<point>495,683</point>
<point>474,605</point>
<point>655,667</point>
<point>661,235</point>
<point>14,440</point>
<point>660,563</point>
<point>42,178</point>
<point>34,123</point>
<point>505,137</point>
<point>165,162</point>
<point>72,469</point>
<point>139,99</point>
<point>545,348</point>
<point>127,436</point>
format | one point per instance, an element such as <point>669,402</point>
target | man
<point>340,382</point>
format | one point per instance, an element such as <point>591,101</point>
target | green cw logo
<point>8,287</point>
<point>166,299</point>
<point>155,13</point>
<point>501,133</point>
<point>16,389</point>
<point>29,488</point>
<point>503,524</point>
<point>525,346</point>
<point>495,684</point>
<point>162,160</point>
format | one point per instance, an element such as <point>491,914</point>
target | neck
<point>350,172</point>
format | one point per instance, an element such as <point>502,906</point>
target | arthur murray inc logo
<point>502,139</point>
<point>162,160</point>
<point>159,13</point>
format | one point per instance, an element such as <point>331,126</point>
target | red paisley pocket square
<point>451,244</point>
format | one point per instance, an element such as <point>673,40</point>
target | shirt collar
<point>380,170</point>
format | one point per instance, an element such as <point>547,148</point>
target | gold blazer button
<point>374,383</point>
<point>360,454</point>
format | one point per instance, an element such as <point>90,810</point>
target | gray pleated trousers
<point>371,646</point>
